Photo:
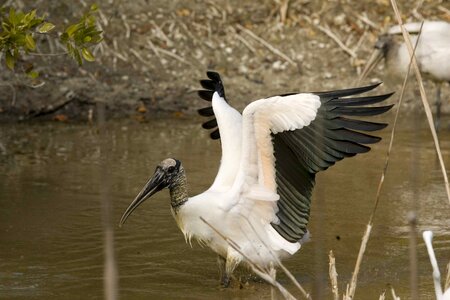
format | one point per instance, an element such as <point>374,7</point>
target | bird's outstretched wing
<point>287,140</point>
<point>226,123</point>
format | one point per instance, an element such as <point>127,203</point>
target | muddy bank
<point>155,51</point>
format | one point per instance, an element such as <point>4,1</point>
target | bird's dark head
<point>384,43</point>
<point>166,175</point>
<point>380,51</point>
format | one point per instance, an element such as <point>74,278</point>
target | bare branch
<point>266,44</point>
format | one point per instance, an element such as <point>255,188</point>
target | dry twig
<point>330,34</point>
<point>244,41</point>
<point>333,276</point>
<point>139,57</point>
<point>266,44</point>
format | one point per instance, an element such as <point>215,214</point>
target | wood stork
<point>432,54</point>
<point>261,196</point>
<point>428,238</point>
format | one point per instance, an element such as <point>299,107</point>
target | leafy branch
<point>18,31</point>
<point>81,35</point>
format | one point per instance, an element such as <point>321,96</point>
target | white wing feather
<point>229,121</point>
<point>255,186</point>
<point>433,50</point>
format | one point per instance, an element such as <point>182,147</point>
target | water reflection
<point>51,239</point>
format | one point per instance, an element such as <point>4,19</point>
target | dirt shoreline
<point>154,54</point>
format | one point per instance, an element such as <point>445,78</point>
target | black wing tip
<point>213,75</point>
<point>205,95</point>
<point>347,92</point>
<point>210,124</point>
<point>215,135</point>
<point>206,112</point>
<point>213,84</point>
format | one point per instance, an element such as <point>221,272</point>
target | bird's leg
<point>224,279</point>
<point>273,274</point>
<point>438,107</point>
<point>231,263</point>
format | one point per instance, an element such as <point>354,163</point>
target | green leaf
<point>72,29</point>
<point>33,74</point>
<point>12,16</point>
<point>94,7</point>
<point>78,57</point>
<point>10,60</point>
<point>29,17</point>
<point>87,54</point>
<point>29,42</point>
<point>87,39</point>
<point>46,27</point>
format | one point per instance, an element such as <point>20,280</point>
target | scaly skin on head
<point>178,190</point>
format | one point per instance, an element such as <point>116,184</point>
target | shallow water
<point>50,220</point>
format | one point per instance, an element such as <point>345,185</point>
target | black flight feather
<point>211,85</point>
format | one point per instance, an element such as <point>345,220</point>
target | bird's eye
<point>171,169</point>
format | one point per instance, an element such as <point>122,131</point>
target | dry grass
<point>423,96</point>
<point>350,293</point>
<point>333,276</point>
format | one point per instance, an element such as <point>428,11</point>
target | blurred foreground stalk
<point>110,273</point>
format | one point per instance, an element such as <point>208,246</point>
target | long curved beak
<point>154,185</point>
<point>375,57</point>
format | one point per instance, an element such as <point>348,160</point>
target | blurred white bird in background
<point>432,54</point>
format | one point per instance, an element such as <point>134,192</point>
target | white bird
<point>432,54</point>
<point>428,238</point>
<point>261,196</point>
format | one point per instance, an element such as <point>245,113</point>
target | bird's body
<point>260,199</point>
<point>432,53</point>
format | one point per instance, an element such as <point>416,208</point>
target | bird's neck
<point>179,192</point>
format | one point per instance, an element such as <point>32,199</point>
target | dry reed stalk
<point>333,276</point>
<point>351,290</point>
<point>394,296</point>
<point>280,264</point>
<point>110,272</point>
<point>447,279</point>
<point>414,278</point>
<point>264,274</point>
<point>423,95</point>
<point>266,44</point>
<point>350,293</point>
<point>273,274</point>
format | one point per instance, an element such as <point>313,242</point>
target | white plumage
<point>261,196</point>
<point>428,238</point>
<point>432,53</point>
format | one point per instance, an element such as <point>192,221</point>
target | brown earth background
<point>154,53</point>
